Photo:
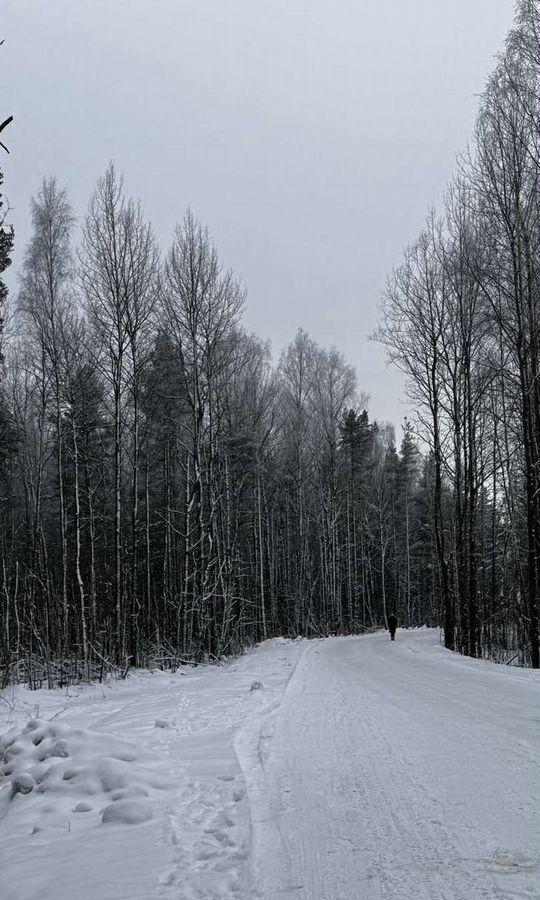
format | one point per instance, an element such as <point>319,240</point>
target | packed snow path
<point>340,769</point>
<point>399,770</point>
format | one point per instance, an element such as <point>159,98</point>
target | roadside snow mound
<point>57,770</point>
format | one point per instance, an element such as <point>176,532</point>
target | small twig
<point>509,662</point>
<point>59,713</point>
<point>127,667</point>
<point>4,124</point>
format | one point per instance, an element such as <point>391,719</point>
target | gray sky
<point>311,136</point>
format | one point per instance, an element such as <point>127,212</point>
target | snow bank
<point>90,772</point>
<point>132,789</point>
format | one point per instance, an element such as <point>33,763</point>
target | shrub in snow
<point>47,760</point>
<point>83,807</point>
<point>256,686</point>
<point>22,784</point>
<point>130,812</point>
<point>59,748</point>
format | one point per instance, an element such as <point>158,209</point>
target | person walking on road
<point>392,625</point>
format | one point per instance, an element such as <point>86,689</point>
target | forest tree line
<point>167,490</point>
<point>168,493</point>
<point>461,317</point>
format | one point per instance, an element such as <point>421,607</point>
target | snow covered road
<point>399,770</point>
<point>340,769</point>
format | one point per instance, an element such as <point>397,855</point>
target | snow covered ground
<point>342,769</point>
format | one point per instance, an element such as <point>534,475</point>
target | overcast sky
<point>311,136</point>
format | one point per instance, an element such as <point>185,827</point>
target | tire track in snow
<point>252,745</point>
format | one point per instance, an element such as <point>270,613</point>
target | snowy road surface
<point>344,769</point>
<point>398,770</point>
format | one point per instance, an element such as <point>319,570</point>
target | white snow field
<point>336,769</point>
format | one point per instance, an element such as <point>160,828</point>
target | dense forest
<point>462,320</point>
<point>169,493</point>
